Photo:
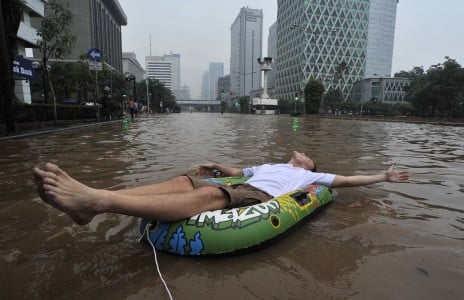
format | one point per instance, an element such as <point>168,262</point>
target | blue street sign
<point>94,54</point>
<point>23,68</point>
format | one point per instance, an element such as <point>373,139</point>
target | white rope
<point>146,232</point>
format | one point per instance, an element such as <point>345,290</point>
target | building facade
<point>316,37</point>
<point>183,93</point>
<point>272,52</point>
<point>246,48</point>
<point>159,69</point>
<point>205,84</point>
<point>223,88</point>
<point>97,24</point>
<point>27,38</point>
<point>174,59</point>
<point>131,65</point>
<point>380,38</point>
<point>216,70</point>
<point>380,89</point>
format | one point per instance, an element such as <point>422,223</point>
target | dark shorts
<point>239,194</point>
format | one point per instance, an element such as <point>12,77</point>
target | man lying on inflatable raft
<point>228,223</point>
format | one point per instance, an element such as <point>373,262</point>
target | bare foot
<point>63,192</point>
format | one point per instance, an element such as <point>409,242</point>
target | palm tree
<point>341,69</point>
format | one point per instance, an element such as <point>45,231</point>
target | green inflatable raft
<point>235,230</point>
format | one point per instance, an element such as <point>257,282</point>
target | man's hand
<point>390,175</point>
<point>394,176</point>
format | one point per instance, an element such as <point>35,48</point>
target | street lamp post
<point>131,77</point>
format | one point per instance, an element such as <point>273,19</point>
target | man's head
<point>300,160</point>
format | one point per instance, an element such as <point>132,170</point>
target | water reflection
<point>396,232</point>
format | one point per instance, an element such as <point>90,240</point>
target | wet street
<point>385,241</point>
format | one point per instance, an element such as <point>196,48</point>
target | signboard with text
<point>95,66</point>
<point>23,68</point>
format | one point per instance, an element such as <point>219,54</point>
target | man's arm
<point>226,170</point>
<point>390,175</point>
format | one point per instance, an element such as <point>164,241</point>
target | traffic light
<point>296,96</point>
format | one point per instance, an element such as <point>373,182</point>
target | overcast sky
<point>426,32</point>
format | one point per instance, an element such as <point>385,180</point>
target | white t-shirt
<point>278,179</point>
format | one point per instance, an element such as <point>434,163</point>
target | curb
<point>29,134</point>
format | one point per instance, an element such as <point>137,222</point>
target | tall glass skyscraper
<point>315,37</point>
<point>245,48</point>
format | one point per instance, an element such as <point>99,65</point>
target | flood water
<point>385,241</point>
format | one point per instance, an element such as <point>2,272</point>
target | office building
<point>223,88</point>
<point>174,59</point>
<point>380,38</point>
<point>316,37</point>
<point>216,70</point>
<point>245,49</point>
<point>380,89</point>
<point>272,52</point>
<point>27,38</point>
<point>131,65</point>
<point>205,84</point>
<point>183,93</point>
<point>167,70</point>
<point>97,24</point>
<point>159,69</point>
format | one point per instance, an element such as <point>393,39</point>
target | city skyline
<point>426,32</point>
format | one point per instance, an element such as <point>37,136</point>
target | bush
<point>38,112</point>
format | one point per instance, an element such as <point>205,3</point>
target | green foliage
<point>158,94</point>
<point>340,70</point>
<point>332,98</point>
<point>313,92</point>
<point>438,92</point>
<point>55,38</point>
<point>244,103</point>
<point>39,112</point>
<point>286,106</point>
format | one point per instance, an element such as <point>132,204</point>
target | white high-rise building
<point>380,38</point>
<point>175,71</point>
<point>315,38</point>
<point>245,49</point>
<point>157,68</point>
<point>166,69</point>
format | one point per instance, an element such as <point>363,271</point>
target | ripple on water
<point>362,233</point>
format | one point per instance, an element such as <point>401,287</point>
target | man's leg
<point>175,185</point>
<point>82,203</point>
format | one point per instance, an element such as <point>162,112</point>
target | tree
<point>414,73</point>
<point>243,101</point>
<point>332,98</point>
<point>340,70</point>
<point>10,19</point>
<point>55,40</point>
<point>439,91</point>
<point>313,92</point>
<point>159,94</point>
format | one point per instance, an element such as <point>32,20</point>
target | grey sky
<point>426,32</point>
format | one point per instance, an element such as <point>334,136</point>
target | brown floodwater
<point>384,241</point>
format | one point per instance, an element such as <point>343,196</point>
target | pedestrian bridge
<point>199,105</point>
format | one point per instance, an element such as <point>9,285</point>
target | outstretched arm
<point>226,170</point>
<point>390,175</point>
